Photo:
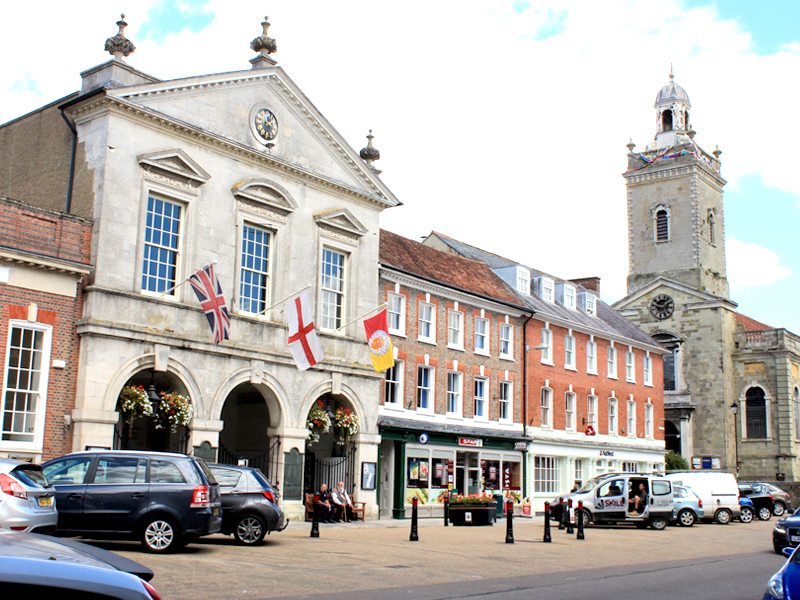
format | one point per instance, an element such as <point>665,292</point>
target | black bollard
<point>315,517</point>
<point>414,537</point>
<point>510,521</point>
<point>562,524</point>
<point>570,529</point>
<point>579,517</point>
<point>446,510</point>
<point>547,537</point>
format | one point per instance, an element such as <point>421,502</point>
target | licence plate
<point>796,538</point>
<point>45,501</point>
<point>215,512</point>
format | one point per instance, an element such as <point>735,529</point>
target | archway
<point>154,432</point>
<point>331,457</point>
<point>245,435</point>
<point>672,437</point>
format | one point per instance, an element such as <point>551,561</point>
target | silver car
<point>27,500</point>
<point>688,506</point>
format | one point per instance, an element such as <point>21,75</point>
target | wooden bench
<point>359,508</point>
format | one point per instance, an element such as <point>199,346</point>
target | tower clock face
<point>662,306</point>
<point>266,124</point>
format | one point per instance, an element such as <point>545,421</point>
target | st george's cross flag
<point>209,292</point>
<point>379,342</point>
<point>303,342</point>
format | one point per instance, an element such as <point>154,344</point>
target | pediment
<point>266,193</point>
<point>341,220</point>
<point>174,163</point>
<point>673,288</point>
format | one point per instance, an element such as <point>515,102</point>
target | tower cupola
<point>672,114</point>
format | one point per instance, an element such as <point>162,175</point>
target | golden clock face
<point>662,307</point>
<point>266,124</point>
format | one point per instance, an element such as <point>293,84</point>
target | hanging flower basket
<point>173,410</point>
<point>318,422</point>
<point>345,425</point>
<point>134,403</point>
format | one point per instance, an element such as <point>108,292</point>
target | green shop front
<point>425,461</point>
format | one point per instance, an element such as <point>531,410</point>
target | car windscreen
<point>31,475</point>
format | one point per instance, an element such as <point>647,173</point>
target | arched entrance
<point>672,437</point>
<point>244,438</point>
<point>152,433</point>
<point>331,459</point>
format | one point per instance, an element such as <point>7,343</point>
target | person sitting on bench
<point>343,505</point>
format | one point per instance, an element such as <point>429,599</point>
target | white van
<point>612,498</point>
<point>718,491</point>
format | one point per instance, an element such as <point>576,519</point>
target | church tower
<point>675,213</point>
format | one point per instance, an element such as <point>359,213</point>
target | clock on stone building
<point>661,306</point>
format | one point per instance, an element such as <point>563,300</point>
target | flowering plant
<point>484,498</point>
<point>134,402</point>
<point>318,421</point>
<point>174,410</point>
<point>345,425</point>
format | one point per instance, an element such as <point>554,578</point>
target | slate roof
<point>607,320</point>
<point>750,324</point>
<point>450,270</point>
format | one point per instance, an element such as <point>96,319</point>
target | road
<point>378,561</point>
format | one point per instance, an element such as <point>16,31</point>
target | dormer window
<point>523,280</point>
<point>544,287</point>
<point>565,294</point>
<point>591,304</point>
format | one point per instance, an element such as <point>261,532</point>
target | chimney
<point>590,283</point>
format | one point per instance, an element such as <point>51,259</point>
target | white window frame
<point>397,371</point>
<point>648,420</point>
<point>613,416</point>
<point>546,406</point>
<point>591,357</point>
<point>178,250</point>
<point>630,366</point>
<point>648,370</point>
<point>480,400</point>
<point>396,311</point>
<point>570,420</point>
<point>326,320</point>
<point>484,335</point>
<point>569,296</point>
<point>546,474</point>
<point>455,325</point>
<point>591,304</point>
<point>508,341</point>
<point>423,307</point>
<point>547,341</point>
<point>263,301</point>
<point>455,394</point>
<point>431,389</point>
<point>631,418</point>
<point>591,411</point>
<point>569,352</point>
<point>505,401</point>
<point>41,391</point>
<point>612,362</point>
<point>523,280</point>
<point>548,290</point>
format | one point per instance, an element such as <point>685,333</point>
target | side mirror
<point>788,551</point>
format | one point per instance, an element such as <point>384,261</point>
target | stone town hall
<point>731,384</point>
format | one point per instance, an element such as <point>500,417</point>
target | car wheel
<point>723,516</point>
<point>764,513</point>
<point>780,508</point>
<point>746,515</point>
<point>686,517</point>
<point>250,530</point>
<point>160,535</point>
<point>658,523</point>
<point>587,516</point>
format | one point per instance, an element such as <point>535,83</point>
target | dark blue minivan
<point>166,500</point>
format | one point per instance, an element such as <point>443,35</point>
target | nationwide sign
<point>476,442</point>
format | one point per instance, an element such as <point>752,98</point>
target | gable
<point>229,105</point>
<point>681,294</point>
<point>176,163</point>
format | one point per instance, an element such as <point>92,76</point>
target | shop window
<point>545,474</point>
<point>439,473</point>
<point>418,471</point>
<point>491,474</point>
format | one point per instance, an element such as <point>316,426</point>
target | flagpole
<point>377,308</point>
<point>176,286</point>
<point>284,300</point>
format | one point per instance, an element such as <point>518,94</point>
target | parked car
<point>747,509</point>
<point>785,584</point>
<point>782,498</point>
<point>164,499</point>
<point>786,532</point>
<point>35,566</point>
<point>688,506</point>
<point>717,490</point>
<point>249,504</point>
<point>762,500</point>
<point>27,500</point>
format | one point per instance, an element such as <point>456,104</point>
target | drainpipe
<point>74,131</point>
<point>525,398</point>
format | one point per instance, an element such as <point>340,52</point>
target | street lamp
<point>735,411</point>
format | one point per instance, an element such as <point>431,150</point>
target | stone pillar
<point>205,431</point>
<point>367,449</point>
<point>93,428</point>
<point>290,469</point>
<point>687,445</point>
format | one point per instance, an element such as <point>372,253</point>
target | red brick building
<point>44,264</point>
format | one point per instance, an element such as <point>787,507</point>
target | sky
<point>501,123</point>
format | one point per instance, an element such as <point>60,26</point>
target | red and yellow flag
<point>379,342</point>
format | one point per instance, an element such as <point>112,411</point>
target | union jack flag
<point>209,292</point>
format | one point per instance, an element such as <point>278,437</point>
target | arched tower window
<point>755,413</point>
<point>662,225</point>
<point>671,361</point>
<point>666,120</point>
<point>712,233</point>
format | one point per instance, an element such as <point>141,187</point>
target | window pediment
<point>341,221</point>
<point>266,194</point>
<point>174,165</point>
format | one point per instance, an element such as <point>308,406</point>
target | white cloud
<point>751,265</point>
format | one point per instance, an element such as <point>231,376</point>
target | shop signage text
<point>470,442</point>
<point>606,453</point>
<point>520,445</point>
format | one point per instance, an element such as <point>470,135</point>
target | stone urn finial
<point>263,43</point>
<point>717,152</point>
<point>630,145</point>
<point>119,46</point>
<point>370,153</point>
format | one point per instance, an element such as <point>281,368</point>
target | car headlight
<point>775,586</point>
<point>779,529</point>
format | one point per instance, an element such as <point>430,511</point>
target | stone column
<point>290,468</point>
<point>367,449</point>
<point>93,428</point>
<point>687,445</point>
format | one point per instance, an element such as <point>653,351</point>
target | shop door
<point>468,473</point>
